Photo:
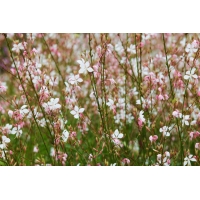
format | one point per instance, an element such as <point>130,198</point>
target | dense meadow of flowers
<point>100,99</point>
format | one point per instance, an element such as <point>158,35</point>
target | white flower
<point>121,103</point>
<point>42,122</point>
<point>129,118</point>
<point>35,113</point>
<point>185,119</point>
<point>140,101</point>
<point>84,66</point>
<point>75,79</point>
<point>165,130</point>
<point>23,111</point>
<point>117,135</point>
<point>190,74</point>
<point>134,91</point>
<point>7,128</point>
<point>65,135</point>
<point>35,149</point>
<point>141,116</point>
<point>52,152</point>
<point>166,159</point>
<point>52,104</point>
<point>190,48</point>
<point>90,157</point>
<point>114,164</point>
<point>188,159</point>
<point>119,48</point>
<point>131,49</point>
<point>17,47</point>
<point>16,131</point>
<point>67,89</point>
<point>123,60</point>
<point>77,111</point>
<point>110,103</point>
<point>4,141</point>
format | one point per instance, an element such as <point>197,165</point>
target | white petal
<point>187,123</point>
<point>193,70</point>
<point>81,110</point>
<point>7,140</point>
<point>73,112</point>
<point>81,71</point>
<point>72,82</point>
<point>79,62</point>
<point>187,116</point>
<point>195,50</point>
<point>120,135</point>
<point>24,106</point>
<point>193,159</point>
<point>90,69</point>
<point>195,76</point>
<point>185,163</point>
<point>76,108</point>
<point>167,134</point>
<point>80,80</point>
<point>186,77</point>
<point>57,106</point>
<point>76,116</point>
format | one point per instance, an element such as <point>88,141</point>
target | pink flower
<point>3,87</point>
<point>126,161</point>
<point>7,129</point>
<point>194,135</point>
<point>153,138</point>
<point>197,146</point>
<point>177,114</point>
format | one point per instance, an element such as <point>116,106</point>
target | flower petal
<point>81,110</point>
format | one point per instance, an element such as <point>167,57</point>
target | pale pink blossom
<point>197,146</point>
<point>84,66</point>
<point>153,138</point>
<point>17,47</point>
<point>52,105</point>
<point>77,111</point>
<point>3,87</point>
<point>125,161</point>
<point>75,79</point>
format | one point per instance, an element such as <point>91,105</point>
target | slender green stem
<point>167,64</point>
